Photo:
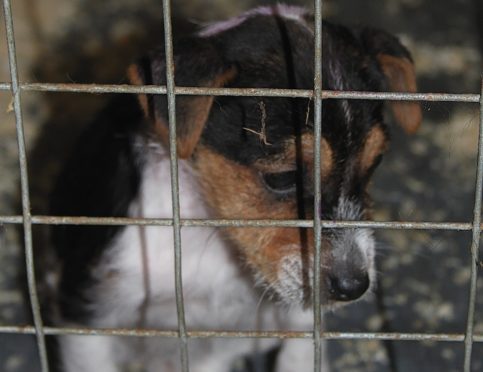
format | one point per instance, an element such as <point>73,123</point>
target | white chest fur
<point>137,273</point>
<point>137,290</point>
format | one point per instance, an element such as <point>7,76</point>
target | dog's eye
<point>282,182</point>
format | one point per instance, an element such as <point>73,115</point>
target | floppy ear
<point>197,64</point>
<point>397,65</point>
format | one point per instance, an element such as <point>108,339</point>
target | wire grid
<point>317,94</point>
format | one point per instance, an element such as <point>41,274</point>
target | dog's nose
<point>347,287</point>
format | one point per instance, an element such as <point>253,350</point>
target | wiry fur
<point>136,284</point>
<point>237,278</point>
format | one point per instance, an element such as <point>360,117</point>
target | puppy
<point>239,158</point>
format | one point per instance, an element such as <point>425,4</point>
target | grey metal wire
<point>326,224</point>
<point>128,332</point>
<point>250,92</point>
<point>170,83</point>
<point>24,183</point>
<point>475,245</point>
<point>317,96</point>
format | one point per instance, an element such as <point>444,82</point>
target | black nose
<point>347,288</point>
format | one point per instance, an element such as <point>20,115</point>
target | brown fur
<point>402,78</point>
<point>135,79</point>
<point>236,191</point>
<point>305,150</point>
<point>375,144</point>
<point>191,112</point>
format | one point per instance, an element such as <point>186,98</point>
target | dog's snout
<point>347,287</point>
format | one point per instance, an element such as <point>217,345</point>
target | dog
<point>239,158</point>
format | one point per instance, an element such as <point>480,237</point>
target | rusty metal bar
<point>326,224</point>
<point>250,92</point>
<point>475,245</point>
<point>127,332</point>
<point>24,184</point>
<point>317,96</point>
<point>170,87</point>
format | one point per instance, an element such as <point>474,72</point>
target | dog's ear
<point>197,63</point>
<point>397,65</point>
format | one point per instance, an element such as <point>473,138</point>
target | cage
<point>425,315</point>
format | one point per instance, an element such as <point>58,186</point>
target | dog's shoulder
<point>100,178</point>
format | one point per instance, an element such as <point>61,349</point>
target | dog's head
<point>254,155</point>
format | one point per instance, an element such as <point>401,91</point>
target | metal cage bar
<point>326,224</point>
<point>173,159</point>
<point>317,94</point>
<point>475,245</point>
<point>24,184</point>
<point>128,332</point>
<point>247,92</point>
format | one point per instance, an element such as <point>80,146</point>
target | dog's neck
<point>155,194</point>
<point>147,253</point>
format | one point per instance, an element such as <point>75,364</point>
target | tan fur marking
<point>225,77</point>
<point>288,160</point>
<point>135,79</point>
<point>236,191</point>
<point>374,145</point>
<point>191,112</point>
<point>401,77</point>
<point>191,119</point>
<point>191,115</point>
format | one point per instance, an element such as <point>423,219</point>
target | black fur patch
<point>283,58</point>
<point>100,179</point>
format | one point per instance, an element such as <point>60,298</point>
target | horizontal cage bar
<point>126,332</point>
<point>250,92</point>
<point>326,224</point>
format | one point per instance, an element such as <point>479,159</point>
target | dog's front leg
<point>297,355</point>
<point>87,354</point>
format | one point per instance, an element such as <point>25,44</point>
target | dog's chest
<point>136,275</point>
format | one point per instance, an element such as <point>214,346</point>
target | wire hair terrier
<point>239,158</point>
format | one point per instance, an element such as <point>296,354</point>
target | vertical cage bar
<point>168,42</point>
<point>317,184</point>
<point>475,244</point>
<point>24,184</point>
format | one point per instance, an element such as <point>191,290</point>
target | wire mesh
<point>168,43</point>
<point>325,224</point>
<point>248,92</point>
<point>475,245</point>
<point>127,332</point>
<point>317,185</point>
<point>317,94</point>
<point>27,224</point>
